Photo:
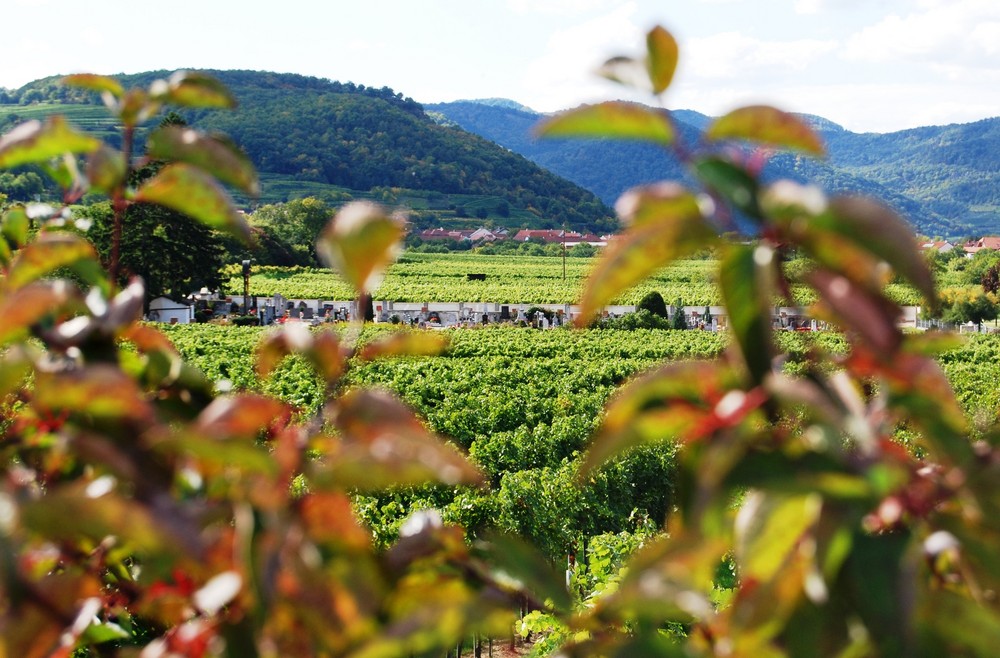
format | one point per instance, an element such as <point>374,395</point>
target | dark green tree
<point>173,254</point>
<point>653,302</point>
<point>678,320</point>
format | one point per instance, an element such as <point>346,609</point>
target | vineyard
<point>523,404</point>
<point>509,280</point>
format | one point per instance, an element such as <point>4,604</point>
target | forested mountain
<point>318,132</point>
<point>944,179</point>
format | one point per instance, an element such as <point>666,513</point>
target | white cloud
<point>957,31</point>
<point>735,55</point>
<point>563,75</point>
<point>557,7</point>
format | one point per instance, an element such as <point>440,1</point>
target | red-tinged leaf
<point>136,107</point>
<point>921,392</point>
<point>662,58</point>
<point>216,154</point>
<point>192,89</point>
<point>106,169</point>
<point>191,191</point>
<point>870,317</point>
<point>384,444</point>
<point>360,243</point>
<point>769,527</point>
<point>746,280</point>
<point>16,225</point>
<point>98,83</point>
<point>47,253</point>
<point>612,119</point>
<point>667,404</point>
<point>34,142</point>
<point>871,226</point>
<point>98,392</point>
<point>292,338</point>
<point>767,125</point>
<point>405,343</point>
<point>34,303</point>
<point>328,356</point>
<point>668,228</point>
<point>148,339</point>
<point>329,519</point>
<point>242,416</point>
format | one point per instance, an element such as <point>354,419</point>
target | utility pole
<point>246,287</point>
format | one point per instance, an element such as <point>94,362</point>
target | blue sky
<point>870,65</point>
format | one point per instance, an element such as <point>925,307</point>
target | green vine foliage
<point>145,511</point>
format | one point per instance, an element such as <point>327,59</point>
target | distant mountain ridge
<point>318,132</point>
<point>944,179</point>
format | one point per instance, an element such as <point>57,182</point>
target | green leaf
<point>405,343</point>
<point>667,226</point>
<point>15,364</point>
<point>35,142</point>
<point>766,125</point>
<point>49,252</point>
<point>522,563</point>
<point>746,280</point>
<point>103,632</point>
<point>76,511</point>
<point>360,243</point>
<point>192,89</point>
<point>16,225</point>
<point>98,83</point>
<point>731,181</point>
<point>881,587</point>
<point>768,528</point>
<point>612,119</point>
<point>216,154</point>
<point>955,625</point>
<point>191,191</point>
<point>662,58</point>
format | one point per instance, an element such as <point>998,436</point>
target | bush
<point>653,302</point>
<point>244,320</point>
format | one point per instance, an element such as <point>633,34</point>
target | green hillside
<point>309,136</point>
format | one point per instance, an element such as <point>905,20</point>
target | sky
<point>868,65</point>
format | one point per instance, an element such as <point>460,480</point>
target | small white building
<point>164,309</point>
